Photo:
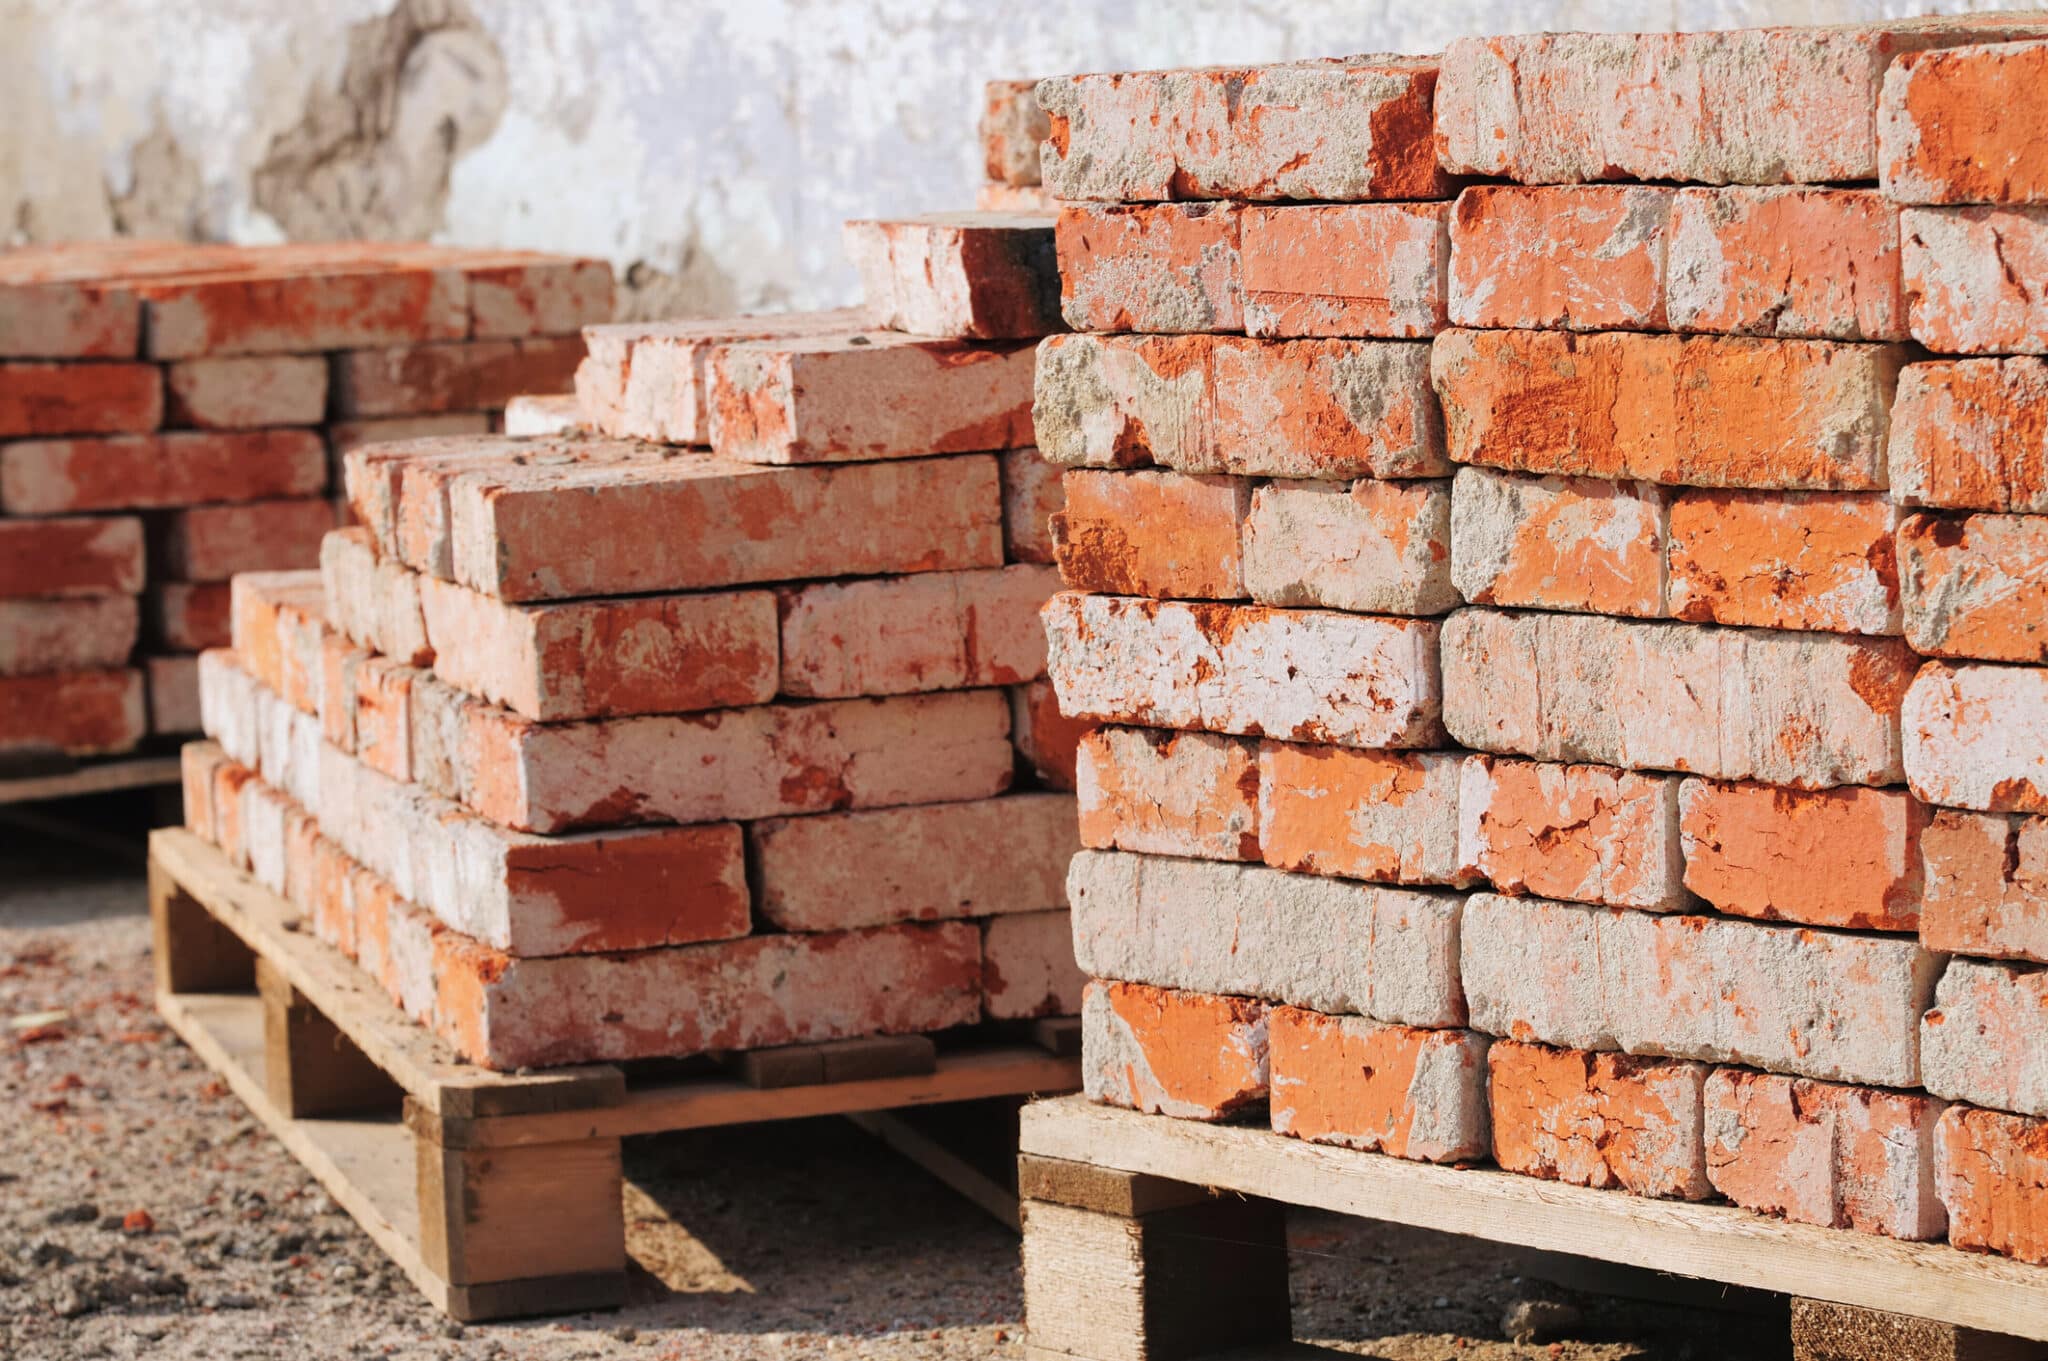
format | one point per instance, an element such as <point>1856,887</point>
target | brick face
<point>1184,1054</point>
<point>1847,858</point>
<point>1976,587</point>
<point>1168,793</point>
<point>1600,1120</point>
<point>1949,126</point>
<point>1390,1089</point>
<point>1152,532</point>
<point>1366,269</point>
<point>1972,434</point>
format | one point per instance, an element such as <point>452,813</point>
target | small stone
<point>626,1333</point>
<point>85,1212</point>
<point>1527,1321</point>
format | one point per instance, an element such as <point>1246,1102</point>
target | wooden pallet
<point>1131,1255</point>
<point>68,779</point>
<point>499,1194</point>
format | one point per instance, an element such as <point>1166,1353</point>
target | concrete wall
<point>709,148</point>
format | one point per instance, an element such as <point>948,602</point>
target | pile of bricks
<point>1574,667</point>
<point>689,729</point>
<point>171,415</point>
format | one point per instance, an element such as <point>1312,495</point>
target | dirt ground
<point>143,1213</point>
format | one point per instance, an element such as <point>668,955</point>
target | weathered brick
<point>1169,793</point>
<point>1986,890</point>
<point>1847,858</point>
<point>1790,262</point>
<point>1981,1042</point>
<point>1968,278</point>
<point>214,543</point>
<point>542,415</point>
<point>466,375</point>
<point>1991,1170</point>
<point>247,392</point>
<point>259,605</point>
<point>1976,586</point>
<point>1707,411</point>
<point>95,555</point>
<point>80,713</point>
<point>1169,267</point>
<point>189,616</point>
<point>1352,269</point>
<point>1787,998</point>
<point>228,783</point>
<point>199,764</point>
<point>1374,547</point>
<point>1560,543</point>
<point>1032,495</point>
<point>1299,675</point>
<point>1785,560</point>
<point>1588,834</point>
<point>536,296</point>
<point>984,276</point>
<point>1012,126</point>
<point>1976,737</point>
<point>1245,930</point>
<point>1576,258</point>
<point>1152,533</point>
<point>1014,198</point>
<point>1972,434</point>
<point>341,665</point>
<point>1046,740</point>
<point>343,436</point>
<point>974,859</point>
<point>1184,1054</point>
<point>1598,1119</point>
<point>1410,1093</point>
<point>69,319</point>
<point>374,601</point>
<point>1950,127</point>
<point>173,688</point>
<point>908,635</point>
<point>1341,129</point>
<point>77,633</point>
<point>175,468</point>
<point>1376,815</point>
<point>79,399</point>
<point>281,310</point>
<point>1027,966</point>
<point>230,708</point>
<point>1821,1153</point>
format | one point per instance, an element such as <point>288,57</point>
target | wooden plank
<point>192,952</point>
<point>309,1067</point>
<point>1087,1187</point>
<point>801,1065</point>
<point>515,1214</point>
<point>98,778</point>
<point>1838,1332</point>
<point>928,1151</point>
<point>1715,1242</point>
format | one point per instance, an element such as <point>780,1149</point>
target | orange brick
<point>1152,533</point>
<point>1169,793</point>
<point>1598,1119</point>
<point>259,606</point>
<point>1046,740</point>
<point>1584,833</point>
<point>384,718</point>
<point>1391,1089</point>
<point>1972,434</point>
<point>214,543</point>
<point>1847,858</point>
<point>1560,543</point>
<point>90,555</point>
<point>199,765</point>
<point>1952,125</point>
<point>1171,267</point>
<point>1818,263</point>
<point>1986,887</point>
<point>1374,547</point>
<point>1032,495</point>
<point>1796,560</point>
<point>1969,276</point>
<point>176,468</point>
<point>1183,1054</point>
<point>80,713</point>
<point>1976,586</point>
<point>1353,269</point>
<point>1012,126</point>
<point>915,634</point>
<point>1577,258</point>
<point>1385,816</point>
<point>1976,736</point>
<point>79,399</point>
<point>1992,1172</point>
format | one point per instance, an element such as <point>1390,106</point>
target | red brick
<point>409,380</point>
<point>229,781</point>
<point>1184,1054</point>
<point>1417,1094</point>
<point>1355,269</point>
<point>1032,495</point>
<point>1969,274</point>
<point>1846,858</point>
<point>1972,434</point>
<point>1012,125</point>
<point>1976,586</point>
<point>341,665</point>
<point>1589,834</point>
<point>78,319</point>
<point>1152,533</point>
<point>1992,1173</point>
<point>79,399</point>
<point>1374,547</point>
<point>258,604</point>
<point>80,713</point>
<point>985,276</point>
<point>1986,887</point>
<point>908,635</point>
<point>1578,258</point>
<point>199,764</point>
<point>176,468</point>
<point>1819,1153</point>
<point>1046,740</point>
<point>1560,543</point>
<point>1169,793</point>
<point>1385,816</point>
<point>1818,263</point>
<point>1981,1040</point>
<point>1976,736</point>
<point>1793,560</point>
<point>247,392</point>
<point>173,694</point>
<point>1137,267</point>
<point>79,633</point>
<point>384,719</point>
<point>296,312</point>
<point>374,601</point>
<point>1951,127</point>
<point>1706,411</point>
<point>1027,967</point>
<point>540,296</point>
<point>214,543</point>
<point>1600,1120</point>
<point>189,617</point>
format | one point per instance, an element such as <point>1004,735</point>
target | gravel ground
<point>143,1213</point>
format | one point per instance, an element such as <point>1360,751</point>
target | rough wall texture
<point>708,149</point>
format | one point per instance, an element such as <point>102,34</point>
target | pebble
<point>1536,1320</point>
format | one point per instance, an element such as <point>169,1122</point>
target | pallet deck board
<point>97,777</point>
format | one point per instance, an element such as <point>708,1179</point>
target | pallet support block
<point>1822,1331</point>
<point>194,951</point>
<point>309,1067</point>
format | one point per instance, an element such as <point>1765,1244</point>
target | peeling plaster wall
<point>708,148</point>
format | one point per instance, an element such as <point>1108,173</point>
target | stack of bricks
<point>1012,128</point>
<point>173,414</point>
<point>689,729</point>
<point>1575,669</point>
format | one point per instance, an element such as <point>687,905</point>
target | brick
<point>1352,269</point>
<point>1967,273</point>
<point>189,616</point>
<point>258,312</point>
<point>1721,990</point>
<point>1821,1153</point>
<point>907,635</point>
<point>1152,532</point>
<point>78,399</point>
<point>1705,411</point>
<point>1337,409</point>
<point>1032,495</point>
<point>1171,267</point>
<point>77,319</point>
<point>176,468</point>
<point>877,394</point>
<point>1598,1119</point>
<point>764,761</point>
<point>1792,262</point>
<point>375,602</point>
<point>1575,258</point>
<point>1844,858</point>
<point>97,555</point>
<point>341,665</point>
<point>1012,125</point>
<point>214,543</point>
<point>262,606</point>
<point>343,436</point>
<point>1560,543</point>
<point>1972,434</point>
<point>1390,817</point>
<point>1169,793</point>
<point>1346,1080</point>
<point>1981,1041</point>
<point>1374,547</point>
<point>173,686</point>
<point>1976,586</point>
<point>1977,737</point>
<point>1589,834</point>
<point>983,276</point>
<point>1027,967</point>
<point>1329,944</point>
<point>1986,890</point>
<point>1183,1054</point>
<point>79,633</point>
<point>1949,125</point>
<point>80,713</point>
<point>1298,675</point>
<point>647,380</point>
<point>1046,740</point>
<point>540,296</point>
<point>974,859</point>
<point>1342,129</point>
<point>243,393</point>
<point>1809,710</point>
<point>264,815</point>
<point>231,709</point>
<point>1014,198</point>
<point>546,415</point>
<point>1820,561</point>
<point>384,718</point>
<point>199,764</point>
<point>229,781</point>
<point>467,375</point>
<point>604,658</point>
<point>1991,1171</point>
